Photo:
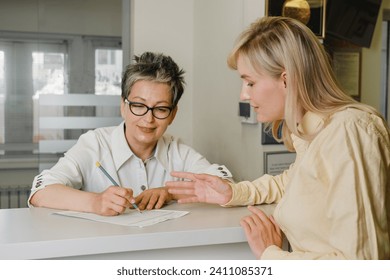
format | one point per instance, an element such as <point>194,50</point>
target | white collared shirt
<point>108,145</point>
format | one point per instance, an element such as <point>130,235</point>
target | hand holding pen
<point>116,199</point>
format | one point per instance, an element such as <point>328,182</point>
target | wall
<point>219,134</point>
<point>386,10</point>
<point>167,27</point>
<point>371,65</point>
<point>92,17</point>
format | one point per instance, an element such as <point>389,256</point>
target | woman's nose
<point>149,116</point>
<point>244,95</point>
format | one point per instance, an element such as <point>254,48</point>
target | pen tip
<point>98,164</point>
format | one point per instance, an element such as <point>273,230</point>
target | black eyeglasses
<point>140,109</point>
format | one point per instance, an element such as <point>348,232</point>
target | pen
<point>113,182</point>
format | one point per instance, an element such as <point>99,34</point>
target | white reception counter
<point>207,232</point>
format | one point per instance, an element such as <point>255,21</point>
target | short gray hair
<point>154,67</point>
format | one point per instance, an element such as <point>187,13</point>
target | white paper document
<point>130,217</point>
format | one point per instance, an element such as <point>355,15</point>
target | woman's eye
<point>162,109</point>
<point>249,84</point>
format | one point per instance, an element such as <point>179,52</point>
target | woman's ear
<point>123,108</point>
<point>284,78</point>
<point>173,114</point>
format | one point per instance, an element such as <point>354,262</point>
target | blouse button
<point>143,187</point>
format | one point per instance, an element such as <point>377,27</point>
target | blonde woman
<point>334,200</point>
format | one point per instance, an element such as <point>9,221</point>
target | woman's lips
<point>147,129</point>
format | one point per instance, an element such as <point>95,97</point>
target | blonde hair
<point>280,44</point>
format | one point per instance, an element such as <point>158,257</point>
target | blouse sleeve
<point>265,190</point>
<point>357,200</point>
<point>68,170</point>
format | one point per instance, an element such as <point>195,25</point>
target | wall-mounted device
<point>246,113</point>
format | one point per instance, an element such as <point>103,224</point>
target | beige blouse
<point>334,201</point>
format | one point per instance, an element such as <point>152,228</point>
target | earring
<point>285,85</point>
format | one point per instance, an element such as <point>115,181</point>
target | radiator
<point>14,196</point>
